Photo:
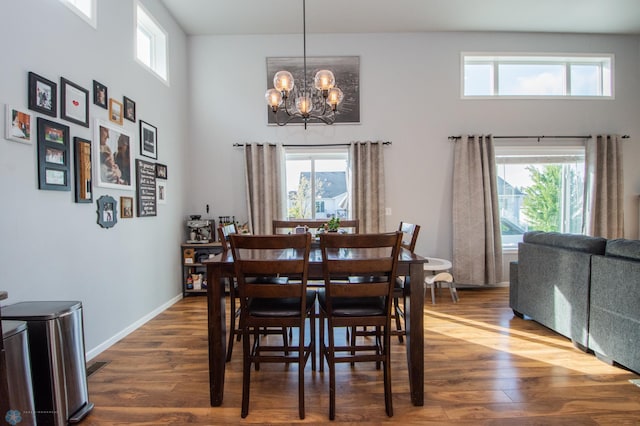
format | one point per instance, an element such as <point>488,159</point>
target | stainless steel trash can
<point>58,363</point>
<point>16,346</point>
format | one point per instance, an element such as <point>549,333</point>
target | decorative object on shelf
<point>53,155</point>
<point>115,111</point>
<point>307,105</point>
<point>148,140</point>
<point>200,231</point>
<point>161,171</point>
<point>189,255</point>
<point>43,95</point>
<point>129,109</point>
<point>107,212</point>
<point>74,103</point>
<point>126,207</point>
<point>112,157</point>
<point>84,187</point>
<point>146,185</point>
<point>100,94</point>
<point>17,125</point>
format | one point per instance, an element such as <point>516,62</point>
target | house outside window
<point>539,188</point>
<point>317,184</point>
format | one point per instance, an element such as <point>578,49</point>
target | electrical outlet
<point>387,211</point>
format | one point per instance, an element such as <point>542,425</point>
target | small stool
<point>435,280</point>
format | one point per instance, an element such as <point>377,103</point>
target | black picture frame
<point>74,103</point>
<point>107,211</point>
<point>53,156</point>
<point>161,171</point>
<point>43,95</point>
<point>148,140</point>
<point>129,109</point>
<point>83,171</point>
<point>146,202</point>
<point>100,95</point>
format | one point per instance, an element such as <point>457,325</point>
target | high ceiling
<point>202,17</point>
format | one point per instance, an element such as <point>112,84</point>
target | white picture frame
<point>22,131</point>
<point>113,157</point>
<point>161,192</point>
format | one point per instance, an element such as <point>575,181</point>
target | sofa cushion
<point>583,243</point>
<point>628,249</point>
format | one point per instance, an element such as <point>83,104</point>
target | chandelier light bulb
<point>304,105</point>
<point>324,80</point>
<point>283,81</point>
<point>273,98</point>
<point>334,97</point>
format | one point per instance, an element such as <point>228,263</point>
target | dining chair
<point>282,300</point>
<point>350,304</point>
<point>224,233</point>
<point>289,226</point>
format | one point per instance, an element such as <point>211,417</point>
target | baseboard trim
<point>133,327</point>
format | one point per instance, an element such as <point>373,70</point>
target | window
<point>151,44</point>
<point>528,76</point>
<point>539,188</point>
<point>86,9</point>
<point>317,184</point>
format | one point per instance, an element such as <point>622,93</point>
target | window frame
<point>91,20</point>
<point>159,42</point>
<point>566,60</point>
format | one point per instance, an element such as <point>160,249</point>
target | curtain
<point>263,166</point>
<point>604,202</point>
<point>477,243</point>
<point>367,183</point>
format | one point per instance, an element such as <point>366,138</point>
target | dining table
<point>409,264</point>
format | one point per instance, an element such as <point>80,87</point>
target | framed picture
<point>100,94</point>
<point>147,204</point>
<point>17,125</point>
<point>43,95</point>
<point>74,105</point>
<point>107,211</point>
<point>115,111</point>
<point>129,109</point>
<point>84,187</point>
<point>126,207</point>
<point>162,192</point>
<point>53,156</point>
<point>346,70</point>
<point>112,156</point>
<point>148,140</point>
<point>161,171</point>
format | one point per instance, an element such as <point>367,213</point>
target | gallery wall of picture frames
<point>106,162</point>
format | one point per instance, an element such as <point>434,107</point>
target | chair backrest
<point>262,257</point>
<point>409,235</point>
<point>369,255</point>
<point>288,226</point>
<point>224,231</point>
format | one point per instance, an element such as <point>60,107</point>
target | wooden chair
<point>269,303</point>
<point>288,226</point>
<point>351,304</point>
<point>224,233</point>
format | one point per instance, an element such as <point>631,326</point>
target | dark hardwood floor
<point>483,366</point>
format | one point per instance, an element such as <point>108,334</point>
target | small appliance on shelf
<point>200,231</point>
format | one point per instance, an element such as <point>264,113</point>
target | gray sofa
<point>585,288</point>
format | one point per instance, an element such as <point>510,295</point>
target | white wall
<point>410,95</point>
<point>50,247</point>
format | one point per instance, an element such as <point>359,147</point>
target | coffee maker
<point>200,230</point>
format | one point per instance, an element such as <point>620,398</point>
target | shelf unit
<point>190,257</point>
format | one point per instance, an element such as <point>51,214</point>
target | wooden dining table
<point>409,264</point>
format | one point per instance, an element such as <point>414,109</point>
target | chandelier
<point>320,104</point>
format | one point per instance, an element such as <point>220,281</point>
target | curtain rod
<point>539,137</point>
<point>304,146</point>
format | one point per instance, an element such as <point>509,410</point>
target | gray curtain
<point>477,244</point>
<point>367,182</point>
<point>604,189</point>
<point>263,166</point>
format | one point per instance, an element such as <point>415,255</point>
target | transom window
<point>317,183</point>
<point>86,9</point>
<point>151,44</point>
<point>531,76</point>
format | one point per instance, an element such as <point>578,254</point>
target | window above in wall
<point>537,76</point>
<point>151,44</point>
<point>86,9</point>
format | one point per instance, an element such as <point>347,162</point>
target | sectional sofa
<point>585,288</point>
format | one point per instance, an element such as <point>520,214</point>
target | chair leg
<point>398,314</point>
<point>388,400</point>
<point>332,375</point>
<point>301,358</point>
<point>321,345</point>
<point>232,328</point>
<point>433,293</point>
<point>454,292</point>
<point>246,373</point>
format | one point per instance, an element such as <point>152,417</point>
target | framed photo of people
<point>53,156</point>
<point>43,95</point>
<point>112,157</point>
<point>148,140</point>
<point>17,125</point>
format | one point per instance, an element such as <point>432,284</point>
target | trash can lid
<point>10,328</point>
<point>39,310</point>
